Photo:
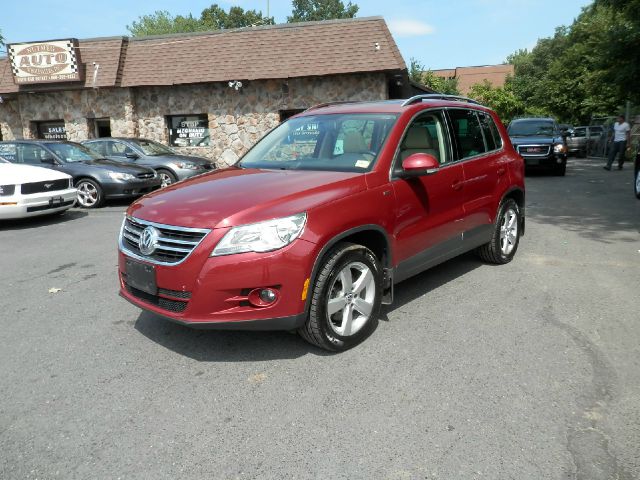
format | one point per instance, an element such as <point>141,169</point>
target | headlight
<point>559,148</point>
<point>187,165</point>
<point>121,176</point>
<point>262,236</point>
<point>6,190</point>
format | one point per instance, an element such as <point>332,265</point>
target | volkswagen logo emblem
<point>148,240</point>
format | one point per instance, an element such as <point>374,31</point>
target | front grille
<point>146,175</point>
<point>176,306</point>
<point>534,150</point>
<point>174,293</point>
<point>39,187</point>
<point>174,243</point>
<point>47,207</point>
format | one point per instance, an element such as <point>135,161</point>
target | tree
<point>501,99</point>
<point>311,10</point>
<point>211,18</point>
<point>419,74</point>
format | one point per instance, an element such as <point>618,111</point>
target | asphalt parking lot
<point>524,371</point>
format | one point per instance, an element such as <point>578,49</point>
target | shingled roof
<point>274,51</point>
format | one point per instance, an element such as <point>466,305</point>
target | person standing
<point>621,131</point>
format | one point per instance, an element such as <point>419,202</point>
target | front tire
<point>167,177</point>
<point>345,299</point>
<point>90,194</point>
<point>506,235</point>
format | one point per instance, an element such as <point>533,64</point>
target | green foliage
<point>311,10</point>
<point>212,18</point>
<point>503,100</point>
<point>587,69</point>
<point>419,74</point>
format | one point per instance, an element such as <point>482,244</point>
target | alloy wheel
<point>351,299</point>
<point>166,179</point>
<point>508,231</point>
<point>87,194</point>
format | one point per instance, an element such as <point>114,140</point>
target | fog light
<point>262,297</point>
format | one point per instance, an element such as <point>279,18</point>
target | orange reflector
<point>305,289</point>
<point>8,203</point>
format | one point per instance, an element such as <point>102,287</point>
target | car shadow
<point>430,280</point>
<point>44,220</point>
<point>250,346</point>
<point>224,345</point>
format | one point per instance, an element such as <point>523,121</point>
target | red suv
<point>312,229</point>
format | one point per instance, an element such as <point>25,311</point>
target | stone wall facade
<point>237,118</point>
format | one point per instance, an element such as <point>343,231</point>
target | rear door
<point>428,209</point>
<point>479,148</point>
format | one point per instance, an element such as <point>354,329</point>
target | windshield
<point>530,128</point>
<point>340,142</point>
<point>72,152</point>
<point>149,147</point>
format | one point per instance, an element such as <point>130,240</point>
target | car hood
<point>535,140</point>
<point>11,174</point>
<point>116,166</point>
<point>235,196</point>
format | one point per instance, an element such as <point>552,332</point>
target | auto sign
<point>44,62</point>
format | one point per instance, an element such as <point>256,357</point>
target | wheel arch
<point>372,236</point>
<point>517,194</point>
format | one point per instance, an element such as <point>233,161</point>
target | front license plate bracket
<point>141,276</point>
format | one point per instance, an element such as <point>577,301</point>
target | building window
<point>284,114</point>
<point>188,130</point>
<point>102,127</point>
<point>53,130</point>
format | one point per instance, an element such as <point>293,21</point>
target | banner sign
<point>45,62</point>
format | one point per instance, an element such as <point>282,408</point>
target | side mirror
<point>132,156</point>
<point>418,164</point>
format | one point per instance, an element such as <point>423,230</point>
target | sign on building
<point>45,62</point>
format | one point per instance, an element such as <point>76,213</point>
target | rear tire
<point>345,299</point>
<point>506,235</point>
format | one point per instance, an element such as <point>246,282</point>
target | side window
<point>31,154</point>
<point>426,134</point>
<point>491,133</point>
<point>98,147</point>
<point>468,132</point>
<point>8,151</point>
<point>118,149</point>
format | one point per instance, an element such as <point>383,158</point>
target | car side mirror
<point>418,164</point>
<point>132,156</point>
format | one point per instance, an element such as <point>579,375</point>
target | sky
<point>437,33</point>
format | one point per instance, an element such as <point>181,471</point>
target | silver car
<point>170,165</point>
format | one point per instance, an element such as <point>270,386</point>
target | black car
<point>540,142</point>
<point>170,165</point>
<point>96,178</point>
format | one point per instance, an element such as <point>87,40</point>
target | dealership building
<point>212,94</point>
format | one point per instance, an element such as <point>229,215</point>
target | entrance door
<point>102,127</point>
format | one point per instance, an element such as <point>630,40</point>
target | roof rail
<point>329,104</point>
<point>438,96</point>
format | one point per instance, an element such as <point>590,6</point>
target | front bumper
<point>21,206</point>
<point>212,292</point>
<point>128,189</point>
<point>552,160</point>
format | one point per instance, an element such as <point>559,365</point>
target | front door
<point>428,209</point>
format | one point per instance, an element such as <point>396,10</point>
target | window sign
<point>188,131</point>
<point>52,130</point>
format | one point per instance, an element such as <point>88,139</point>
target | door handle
<point>457,185</point>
